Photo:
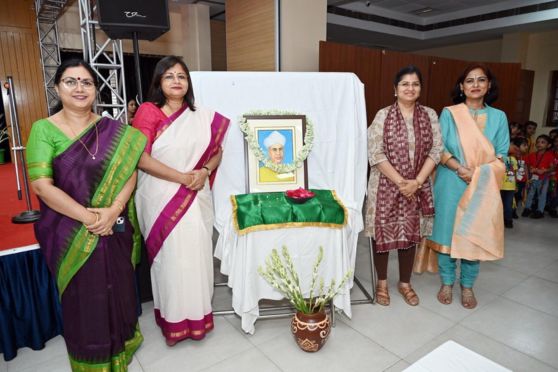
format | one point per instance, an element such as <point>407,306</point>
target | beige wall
<point>542,57</point>
<point>189,35</point>
<point>303,26</point>
<point>485,51</point>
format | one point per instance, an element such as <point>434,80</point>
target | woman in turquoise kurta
<point>475,88</point>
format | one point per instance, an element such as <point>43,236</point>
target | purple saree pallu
<point>95,275</point>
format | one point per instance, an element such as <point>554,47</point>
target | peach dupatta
<point>478,232</point>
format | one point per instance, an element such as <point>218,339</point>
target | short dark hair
<point>156,92</point>
<point>545,137</point>
<point>518,141</point>
<point>491,96</point>
<point>73,62</point>
<point>407,70</point>
<point>553,131</point>
<point>530,123</point>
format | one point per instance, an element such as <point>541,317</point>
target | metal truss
<point>107,60</point>
<point>47,12</point>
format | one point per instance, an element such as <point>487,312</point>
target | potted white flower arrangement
<point>310,324</point>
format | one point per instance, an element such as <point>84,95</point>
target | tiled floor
<point>515,324</point>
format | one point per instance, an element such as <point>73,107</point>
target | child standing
<point>530,129</point>
<point>507,191</point>
<point>519,149</point>
<point>539,164</point>
<point>553,183</point>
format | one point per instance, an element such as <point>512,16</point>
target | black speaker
<point>121,18</point>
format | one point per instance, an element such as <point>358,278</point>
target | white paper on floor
<point>451,356</point>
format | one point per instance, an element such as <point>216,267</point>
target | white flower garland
<point>254,146</point>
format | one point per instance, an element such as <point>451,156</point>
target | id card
<point>119,225</point>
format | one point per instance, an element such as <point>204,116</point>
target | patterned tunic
<point>376,155</point>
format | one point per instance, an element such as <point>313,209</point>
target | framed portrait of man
<point>279,139</point>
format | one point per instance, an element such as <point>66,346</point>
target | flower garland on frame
<point>254,146</point>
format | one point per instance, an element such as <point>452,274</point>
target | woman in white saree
<point>174,203</point>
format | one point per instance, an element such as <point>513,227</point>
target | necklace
<point>92,154</point>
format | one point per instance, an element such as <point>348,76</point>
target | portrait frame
<point>292,128</point>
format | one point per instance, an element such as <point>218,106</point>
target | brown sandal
<point>468,299</point>
<point>445,294</point>
<point>409,294</point>
<point>382,295</point>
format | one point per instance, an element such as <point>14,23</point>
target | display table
<point>242,253</point>
<point>30,312</point>
<point>334,102</point>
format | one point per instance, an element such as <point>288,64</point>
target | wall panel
<point>20,58</point>
<point>443,75</point>
<point>250,26</point>
<point>364,62</point>
<point>392,62</point>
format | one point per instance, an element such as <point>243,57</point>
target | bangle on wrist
<point>119,204</point>
<point>208,170</point>
<point>96,219</point>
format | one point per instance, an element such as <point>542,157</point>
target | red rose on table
<point>299,193</point>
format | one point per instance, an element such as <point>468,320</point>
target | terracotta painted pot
<point>311,330</point>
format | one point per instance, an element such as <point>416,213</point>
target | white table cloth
<point>334,102</point>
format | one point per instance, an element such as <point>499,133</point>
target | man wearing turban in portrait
<point>274,144</point>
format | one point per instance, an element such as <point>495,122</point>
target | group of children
<point>531,177</point>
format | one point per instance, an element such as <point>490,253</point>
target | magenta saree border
<point>187,328</point>
<point>179,204</point>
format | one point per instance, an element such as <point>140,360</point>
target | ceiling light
<point>422,11</point>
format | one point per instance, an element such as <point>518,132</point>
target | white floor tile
<point>345,350</point>
<point>222,343</point>
<point>520,327</point>
<point>455,312</point>
<point>537,293</point>
<point>27,358</point>
<point>399,328</point>
<point>550,272</point>
<point>498,278</point>
<point>485,346</point>
<point>515,324</point>
<point>266,329</point>
<point>249,360</point>
<point>526,262</point>
<point>398,367</point>
<point>59,363</point>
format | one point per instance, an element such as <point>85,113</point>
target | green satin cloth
<point>273,210</point>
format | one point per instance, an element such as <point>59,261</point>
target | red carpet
<point>13,235</point>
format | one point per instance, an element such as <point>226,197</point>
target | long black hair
<point>73,62</point>
<point>491,96</point>
<point>156,92</point>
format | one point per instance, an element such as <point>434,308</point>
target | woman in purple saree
<point>83,168</point>
<point>175,208</point>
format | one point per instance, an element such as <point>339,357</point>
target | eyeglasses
<point>407,84</point>
<point>72,83</point>
<point>479,80</point>
<point>171,77</point>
